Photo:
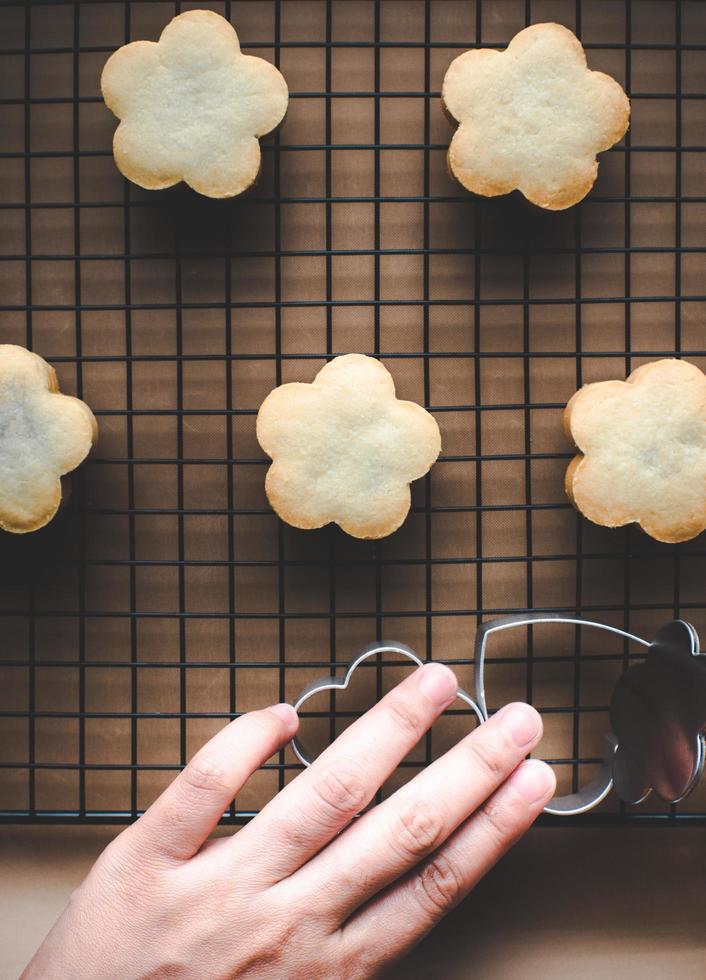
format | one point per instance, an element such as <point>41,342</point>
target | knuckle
<point>499,819</point>
<point>439,886</point>
<point>203,775</point>
<point>271,940</point>
<point>341,788</point>
<point>405,717</point>
<point>282,929</point>
<point>420,828</point>
<point>122,864</point>
<point>491,756</point>
<point>353,961</point>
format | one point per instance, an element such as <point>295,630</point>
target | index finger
<point>181,819</point>
<point>320,802</point>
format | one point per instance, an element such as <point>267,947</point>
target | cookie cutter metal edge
<point>331,683</point>
<point>595,791</point>
<point>573,804</point>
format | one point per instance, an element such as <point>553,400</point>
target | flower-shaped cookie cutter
<point>332,683</point>
<point>658,715</point>
<point>658,711</point>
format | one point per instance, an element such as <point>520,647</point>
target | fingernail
<point>438,683</point>
<point>286,712</point>
<point>521,722</point>
<point>533,780</point>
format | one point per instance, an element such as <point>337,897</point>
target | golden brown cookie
<point>345,449</point>
<point>643,450</point>
<point>532,118</point>
<point>192,107</point>
<point>43,435</point>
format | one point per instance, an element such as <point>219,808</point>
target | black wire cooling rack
<point>166,597</point>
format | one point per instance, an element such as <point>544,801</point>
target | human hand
<point>305,890</point>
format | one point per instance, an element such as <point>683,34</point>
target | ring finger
<point>401,916</point>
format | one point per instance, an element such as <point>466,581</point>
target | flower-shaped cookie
<point>43,435</point>
<point>345,449</point>
<point>644,450</point>
<point>532,118</point>
<point>192,107</point>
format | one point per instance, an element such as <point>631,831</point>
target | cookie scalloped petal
<point>532,118</point>
<point>192,107</point>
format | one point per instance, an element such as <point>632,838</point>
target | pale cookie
<point>643,445</point>
<point>43,435</point>
<point>192,107</point>
<point>344,449</point>
<point>532,118</point>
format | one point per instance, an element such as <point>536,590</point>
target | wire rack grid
<point>167,598</point>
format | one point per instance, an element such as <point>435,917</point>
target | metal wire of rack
<point>167,598</point>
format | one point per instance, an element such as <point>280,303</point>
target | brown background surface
<point>167,596</point>
<point>621,903</point>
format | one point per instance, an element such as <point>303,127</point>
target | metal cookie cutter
<point>332,684</point>
<point>657,716</point>
<point>658,712</point>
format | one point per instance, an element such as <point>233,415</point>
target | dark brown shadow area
<point>578,903</point>
<point>41,556</point>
